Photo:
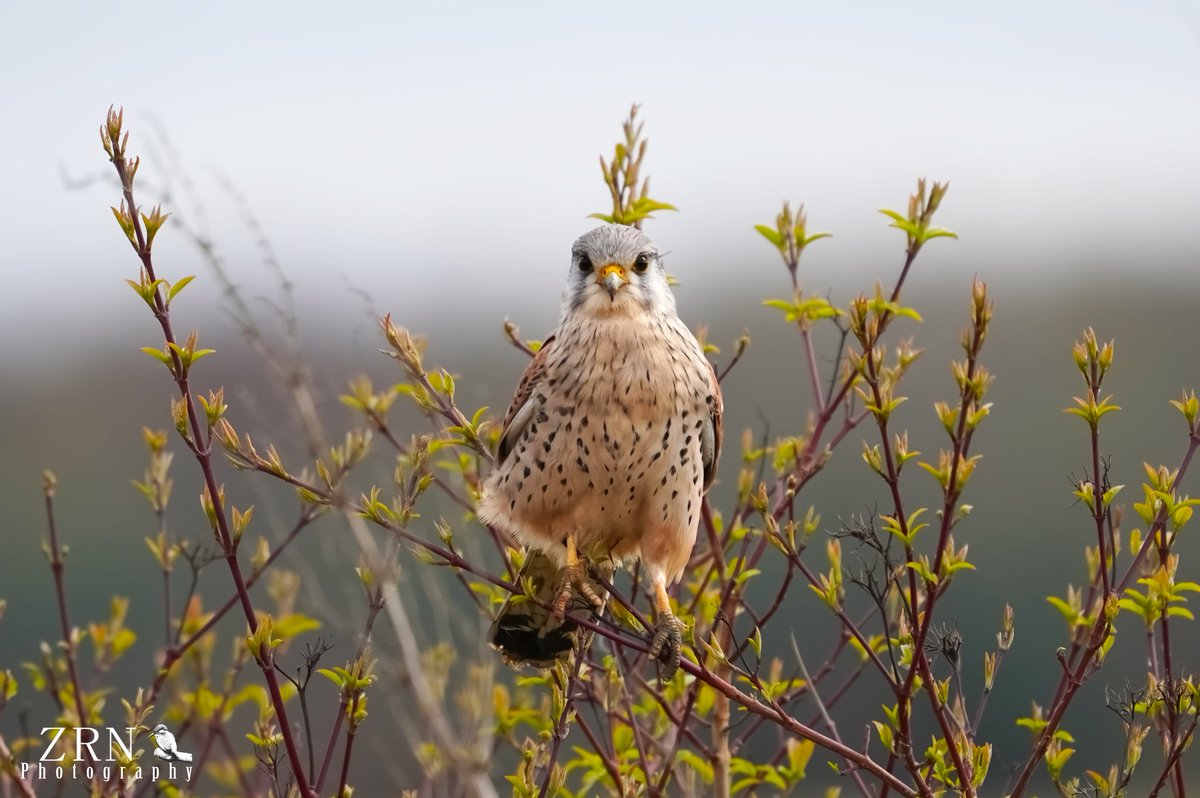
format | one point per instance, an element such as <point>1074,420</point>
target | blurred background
<point>436,161</point>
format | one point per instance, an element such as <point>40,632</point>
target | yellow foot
<point>575,583</point>
<point>665,646</point>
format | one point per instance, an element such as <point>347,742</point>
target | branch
<point>111,133</point>
<point>49,484</point>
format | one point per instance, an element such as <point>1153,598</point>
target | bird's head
<point>616,270</point>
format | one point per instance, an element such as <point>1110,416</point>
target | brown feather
<point>529,380</point>
<point>715,415</point>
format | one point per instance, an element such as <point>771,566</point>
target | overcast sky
<point>405,147</point>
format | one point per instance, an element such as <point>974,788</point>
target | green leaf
<point>771,234</point>
<point>157,354</point>
<point>179,285</point>
<point>922,569</point>
<point>647,205</point>
<point>697,763</point>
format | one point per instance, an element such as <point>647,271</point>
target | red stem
<point>202,452</point>
<point>60,592</point>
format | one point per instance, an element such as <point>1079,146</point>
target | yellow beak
<point>612,277</point>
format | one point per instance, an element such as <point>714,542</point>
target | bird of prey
<point>166,747</point>
<point>609,444</point>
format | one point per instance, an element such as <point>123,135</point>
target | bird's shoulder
<point>535,372</point>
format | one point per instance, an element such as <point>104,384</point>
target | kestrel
<point>609,444</point>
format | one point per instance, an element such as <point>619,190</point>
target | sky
<point>448,150</point>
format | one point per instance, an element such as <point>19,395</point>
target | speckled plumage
<point>614,432</point>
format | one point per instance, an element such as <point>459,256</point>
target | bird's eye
<point>642,263</point>
<point>585,264</point>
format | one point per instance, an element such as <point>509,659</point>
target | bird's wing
<point>520,411</point>
<point>710,434</point>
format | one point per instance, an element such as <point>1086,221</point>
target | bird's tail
<point>526,632</point>
<point>183,756</point>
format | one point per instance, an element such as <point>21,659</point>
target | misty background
<point>436,162</point>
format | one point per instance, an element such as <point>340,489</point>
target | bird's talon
<point>575,583</point>
<point>666,645</point>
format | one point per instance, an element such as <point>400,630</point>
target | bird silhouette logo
<point>166,747</point>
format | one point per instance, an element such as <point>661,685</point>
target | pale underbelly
<point>610,478</point>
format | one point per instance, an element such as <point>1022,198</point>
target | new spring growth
<point>115,144</point>
<point>156,484</point>
<point>1093,361</point>
<point>179,416</point>
<point>981,313</point>
<point>214,406</point>
<point>405,348</point>
<point>262,641</point>
<point>1004,638</point>
<point>629,204</point>
<point>790,236</point>
<point>153,223</point>
<point>1189,406</point>
<point>210,510</point>
<point>922,205</point>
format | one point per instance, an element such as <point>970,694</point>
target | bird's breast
<point>614,447</point>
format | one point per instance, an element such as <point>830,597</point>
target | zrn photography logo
<point>95,765</point>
